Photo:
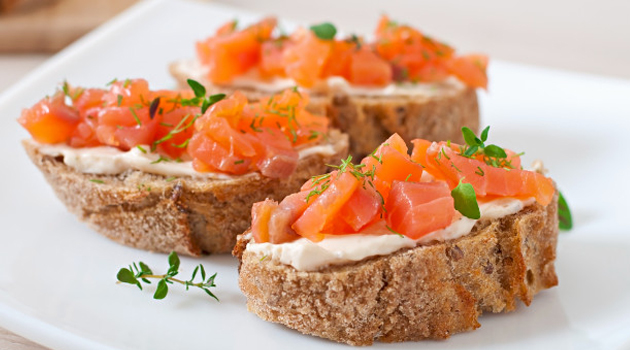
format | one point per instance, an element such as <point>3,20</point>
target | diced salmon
<point>417,208</point>
<point>325,206</point>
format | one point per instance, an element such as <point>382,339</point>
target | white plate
<point>57,279</point>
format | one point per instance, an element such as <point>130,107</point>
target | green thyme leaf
<point>153,108</point>
<point>162,290</point>
<point>135,116</point>
<point>212,99</point>
<point>144,268</point>
<point>470,138</point>
<point>173,261</point>
<point>394,231</point>
<point>143,273</point>
<point>119,99</point>
<point>126,276</point>
<point>141,149</point>
<point>197,88</point>
<point>97,181</point>
<point>495,151</point>
<point>484,134</point>
<point>466,200</point>
<point>471,151</point>
<point>324,31</point>
<point>210,293</point>
<point>65,88</point>
<point>565,220</point>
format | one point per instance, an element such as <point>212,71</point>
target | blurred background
<point>590,37</point>
<point>578,35</point>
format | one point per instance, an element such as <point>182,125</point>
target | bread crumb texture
<point>427,292</point>
<point>188,215</point>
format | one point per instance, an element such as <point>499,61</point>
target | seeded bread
<point>427,292</point>
<point>189,215</point>
<point>432,114</point>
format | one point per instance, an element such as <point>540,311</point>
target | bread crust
<point>370,120</point>
<point>191,216</point>
<point>427,292</point>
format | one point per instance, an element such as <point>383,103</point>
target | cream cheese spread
<point>252,80</point>
<point>305,255</point>
<point>108,160</point>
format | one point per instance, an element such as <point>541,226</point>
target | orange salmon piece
<point>366,68</point>
<point>261,213</point>
<point>50,120</point>
<point>305,60</point>
<point>417,208</point>
<point>323,208</point>
<point>471,69</point>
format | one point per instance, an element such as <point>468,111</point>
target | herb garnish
<point>135,116</point>
<point>324,31</point>
<point>492,155</point>
<point>141,272</point>
<point>394,231</point>
<point>97,181</point>
<point>565,220</point>
<point>466,200</point>
<point>153,107</point>
<point>200,97</point>
<point>160,159</point>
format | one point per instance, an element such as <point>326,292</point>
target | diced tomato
<point>50,120</point>
<point>417,208</point>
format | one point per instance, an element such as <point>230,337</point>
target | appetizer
<point>402,81</point>
<point>174,170</point>
<point>403,247</point>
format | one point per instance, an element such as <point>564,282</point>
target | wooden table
<point>577,35</point>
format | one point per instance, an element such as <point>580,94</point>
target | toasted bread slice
<point>435,112</point>
<point>424,292</point>
<point>185,214</point>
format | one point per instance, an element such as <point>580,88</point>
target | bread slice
<point>427,292</point>
<point>189,215</point>
<point>436,112</point>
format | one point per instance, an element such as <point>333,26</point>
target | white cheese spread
<point>252,80</point>
<point>108,160</point>
<point>305,255</point>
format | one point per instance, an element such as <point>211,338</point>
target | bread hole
<point>455,253</point>
<point>530,277</point>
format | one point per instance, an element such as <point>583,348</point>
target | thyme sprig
<point>492,155</point>
<point>200,98</point>
<point>140,272</point>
